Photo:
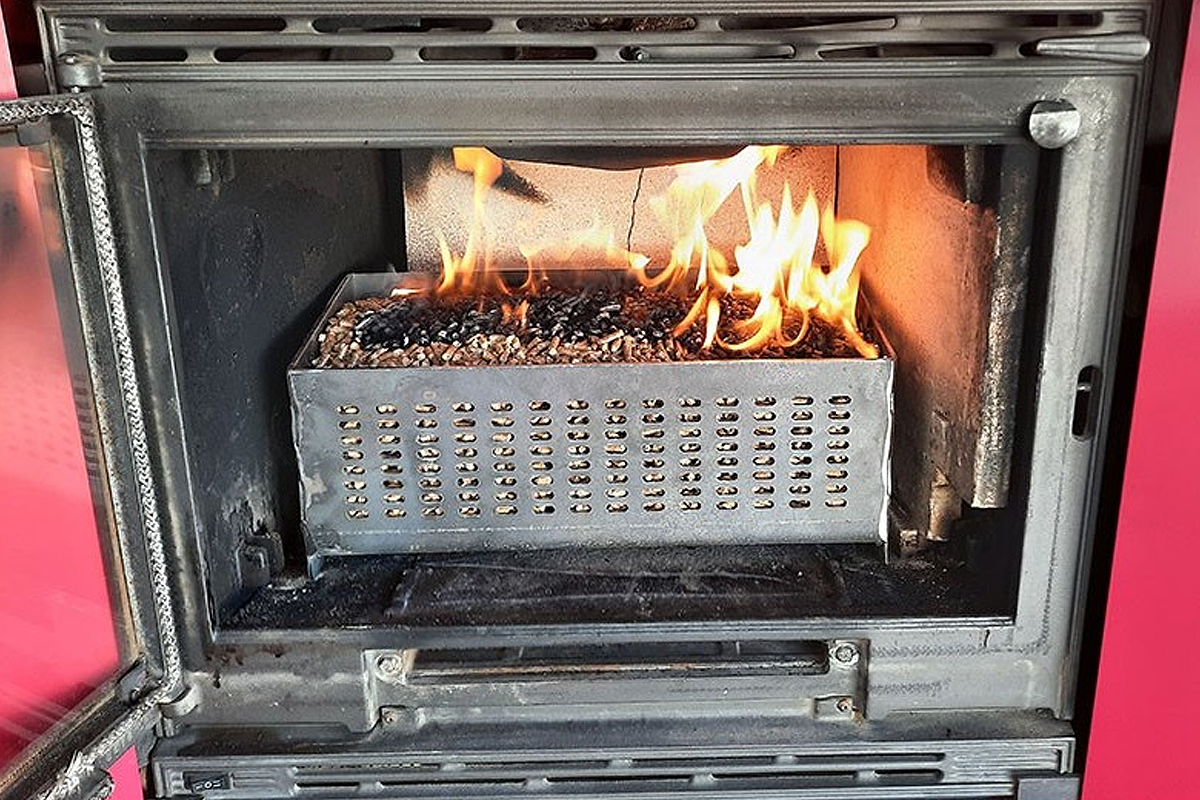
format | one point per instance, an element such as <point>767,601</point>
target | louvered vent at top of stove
<point>129,44</point>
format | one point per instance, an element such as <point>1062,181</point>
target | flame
<point>776,269</point>
<point>517,314</point>
<point>595,246</point>
<point>697,193</point>
<point>472,272</point>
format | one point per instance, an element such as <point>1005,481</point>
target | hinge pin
<point>78,71</point>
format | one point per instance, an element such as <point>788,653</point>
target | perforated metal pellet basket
<point>458,458</point>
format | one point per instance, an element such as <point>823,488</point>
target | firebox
<point>589,397</point>
<point>540,442</point>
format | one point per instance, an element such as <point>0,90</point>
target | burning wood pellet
<point>772,297</point>
<point>592,325</point>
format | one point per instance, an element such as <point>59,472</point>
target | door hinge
<point>182,705</point>
<point>78,71</point>
<point>134,682</point>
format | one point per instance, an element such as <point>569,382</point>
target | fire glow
<point>777,269</point>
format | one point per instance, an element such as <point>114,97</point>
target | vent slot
<point>605,783</point>
<point>1087,403</point>
<point>764,22</point>
<point>590,662</point>
<point>604,24</point>
<point>881,762</point>
<point>304,787</point>
<point>682,782</point>
<point>514,783</point>
<point>709,52</point>
<point>1009,22</point>
<point>909,777</point>
<point>399,24</point>
<point>188,24</point>
<point>300,55</point>
<point>134,55</point>
<point>909,50</point>
<point>507,53</point>
<point>498,775</point>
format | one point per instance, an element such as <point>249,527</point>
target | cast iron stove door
<point>50,143</point>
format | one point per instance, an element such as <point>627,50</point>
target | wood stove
<point>718,573</point>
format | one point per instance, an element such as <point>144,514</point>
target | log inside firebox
<point>596,324</point>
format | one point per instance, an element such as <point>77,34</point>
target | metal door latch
<point>1115,48</point>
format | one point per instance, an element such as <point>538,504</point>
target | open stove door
<point>90,663</point>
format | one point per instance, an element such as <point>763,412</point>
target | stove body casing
<point>918,678</point>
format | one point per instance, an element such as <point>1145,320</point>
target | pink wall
<point>8,86</point>
<point>55,621</point>
<point>1144,732</point>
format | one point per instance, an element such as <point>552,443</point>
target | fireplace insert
<point>587,397</point>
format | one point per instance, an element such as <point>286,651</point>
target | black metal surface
<point>944,99</point>
<point>370,118</point>
<point>627,585</point>
<point>906,757</point>
<point>253,245</point>
<point>132,39</point>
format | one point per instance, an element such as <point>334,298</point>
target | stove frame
<point>910,664</point>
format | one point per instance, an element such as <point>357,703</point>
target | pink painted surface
<point>55,621</point>
<point>8,85</point>
<point>127,777</point>
<point>56,626</point>
<point>1144,732</point>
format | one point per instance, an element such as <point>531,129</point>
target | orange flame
<point>472,271</point>
<point>595,246</point>
<point>697,193</point>
<point>517,314</point>
<point>776,268</point>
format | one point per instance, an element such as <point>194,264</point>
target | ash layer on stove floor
<point>734,582</point>
<point>553,327</point>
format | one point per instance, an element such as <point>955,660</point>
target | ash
<point>592,325</point>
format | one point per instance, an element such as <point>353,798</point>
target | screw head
<point>845,653</point>
<point>389,665</point>
<point>845,705</point>
<point>390,716</point>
